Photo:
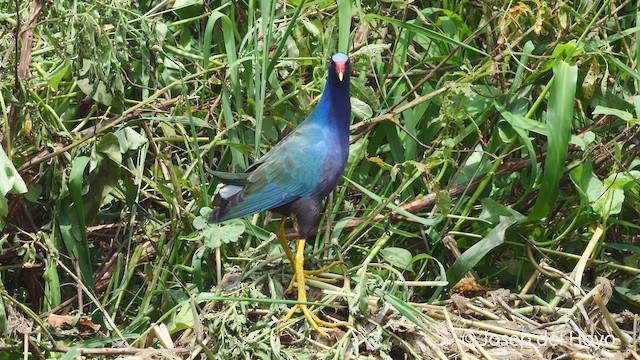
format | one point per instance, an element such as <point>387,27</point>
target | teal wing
<point>289,171</point>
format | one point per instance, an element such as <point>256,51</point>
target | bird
<point>294,177</point>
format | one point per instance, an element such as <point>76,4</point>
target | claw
<point>312,275</point>
<point>299,275</point>
<point>313,319</point>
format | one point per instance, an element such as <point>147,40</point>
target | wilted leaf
<point>57,321</point>
<point>589,83</point>
<point>469,287</point>
<point>370,51</point>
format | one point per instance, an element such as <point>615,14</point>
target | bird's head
<point>340,63</point>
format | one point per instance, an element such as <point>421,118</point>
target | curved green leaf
<point>474,254</point>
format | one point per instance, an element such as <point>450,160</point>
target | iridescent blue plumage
<point>301,170</point>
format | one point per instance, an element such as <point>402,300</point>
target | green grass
<point>486,138</point>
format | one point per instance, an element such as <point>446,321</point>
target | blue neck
<point>334,106</point>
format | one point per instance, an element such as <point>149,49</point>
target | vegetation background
<point>493,142</point>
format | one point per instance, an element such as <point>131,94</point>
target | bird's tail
<point>225,198</point>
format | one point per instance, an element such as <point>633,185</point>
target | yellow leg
<point>298,270</point>
<point>282,239</point>
<point>308,274</point>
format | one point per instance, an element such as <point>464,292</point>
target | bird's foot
<point>299,275</point>
<point>313,319</point>
<point>313,275</point>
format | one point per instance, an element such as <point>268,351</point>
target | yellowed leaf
<point>57,321</point>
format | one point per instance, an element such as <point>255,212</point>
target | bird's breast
<point>333,165</point>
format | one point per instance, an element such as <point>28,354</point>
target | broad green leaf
<point>225,233</point>
<point>370,51</point>
<point>397,257</point>
<point>188,8</point>
<point>589,187</point>
<point>97,91</point>
<point>182,320</point>
<point>308,25</point>
<point>630,295</point>
<point>58,74</point>
<point>360,109</point>
<point>566,49</point>
<point>107,148</point>
<point>604,197</point>
<point>610,203</point>
<point>478,251</point>
<point>559,119</point>
<point>493,212</point>
<point>474,165</point>
<point>129,139</point>
<point>603,110</point>
<point>184,3</point>
<point>624,247</point>
<point>10,180</point>
<point>199,222</point>
<point>214,235</point>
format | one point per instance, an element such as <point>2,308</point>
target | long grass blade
<point>76,239</point>
<point>344,25</point>
<point>424,32</point>
<point>559,119</point>
<point>285,36</point>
